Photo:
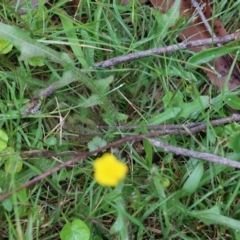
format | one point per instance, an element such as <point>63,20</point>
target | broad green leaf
<point>22,196</point>
<point>102,87</point>
<point>96,143</point>
<point>13,164</point>
<point>213,216</point>
<point>103,84</point>
<point>36,62</point>
<point>7,204</point>
<point>147,146</point>
<point>75,231</point>
<point>166,115</point>
<point>51,141</point>
<point>120,226</point>
<point>182,73</point>
<point>212,172</point>
<point>30,48</point>
<point>5,46</point>
<point>120,116</point>
<point>194,107</point>
<point>148,151</point>
<point>27,46</point>
<point>93,100</point>
<point>165,182</point>
<point>210,54</point>
<point>3,140</point>
<point>172,99</point>
<point>89,50</point>
<point>232,101</point>
<point>193,180</point>
<point>160,191</point>
<point>234,142</point>
<point>111,118</point>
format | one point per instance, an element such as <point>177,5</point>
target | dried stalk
<point>168,148</point>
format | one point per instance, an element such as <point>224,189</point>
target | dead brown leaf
<point>196,30</point>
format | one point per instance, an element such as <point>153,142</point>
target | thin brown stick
<point>173,129</point>
<point>190,153</point>
<point>190,126</point>
<point>168,49</point>
<point>138,55</point>
<point>80,156</point>
<point>204,20</point>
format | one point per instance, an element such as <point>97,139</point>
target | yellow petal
<point>108,170</point>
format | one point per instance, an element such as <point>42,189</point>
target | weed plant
<point>164,196</point>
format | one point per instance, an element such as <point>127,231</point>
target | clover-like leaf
<point>77,229</point>
<point>96,143</point>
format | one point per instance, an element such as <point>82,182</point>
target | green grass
<point>164,196</point>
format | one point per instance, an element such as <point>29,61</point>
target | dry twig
<point>81,156</point>
<point>190,153</point>
<point>193,127</point>
<point>168,49</point>
<point>138,55</point>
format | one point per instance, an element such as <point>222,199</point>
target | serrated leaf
<point>75,230</point>
<point>93,100</point>
<point>103,84</point>
<point>120,116</point>
<point>31,48</point>
<point>102,88</point>
<point>27,46</point>
<point>96,143</point>
<point>110,118</point>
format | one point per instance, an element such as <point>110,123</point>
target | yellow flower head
<point>108,170</point>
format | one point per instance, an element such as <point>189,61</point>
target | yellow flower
<point>108,170</point>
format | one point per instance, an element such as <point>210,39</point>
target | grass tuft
<point>164,196</point>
